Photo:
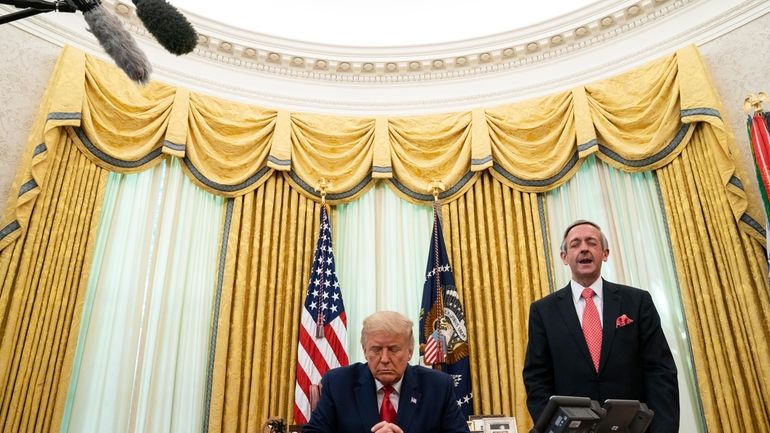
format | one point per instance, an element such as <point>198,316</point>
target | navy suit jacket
<point>635,364</point>
<point>348,402</point>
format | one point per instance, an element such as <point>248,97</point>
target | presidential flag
<point>323,332</point>
<point>443,335</point>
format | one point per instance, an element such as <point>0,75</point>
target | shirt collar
<point>396,386</point>
<point>577,289</point>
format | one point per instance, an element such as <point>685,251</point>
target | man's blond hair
<point>388,321</point>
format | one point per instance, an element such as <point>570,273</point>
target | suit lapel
<point>366,399</point>
<point>566,307</point>
<point>611,307</point>
<point>409,399</point>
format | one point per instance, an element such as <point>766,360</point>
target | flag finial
<point>436,187</point>
<point>753,103</point>
<point>322,186</point>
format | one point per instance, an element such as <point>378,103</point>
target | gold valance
<point>636,121</point>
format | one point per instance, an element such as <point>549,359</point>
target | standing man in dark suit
<point>597,339</point>
<point>386,395</point>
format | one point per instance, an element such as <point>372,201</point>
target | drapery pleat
<point>640,128</point>
<point>269,249</point>
<point>636,121</point>
<point>723,278</point>
<point>496,242</point>
<point>124,124</point>
<point>535,142</point>
<point>428,148</point>
<point>338,149</point>
<point>43,278</point>
<point>227,144</point>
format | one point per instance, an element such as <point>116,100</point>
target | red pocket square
<point>623,321</point>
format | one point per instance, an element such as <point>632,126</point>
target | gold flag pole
<point>322,186</point>
<point>436,187</point>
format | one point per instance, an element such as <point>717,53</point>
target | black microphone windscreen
<point>118,44</point>
<point>170,28</point>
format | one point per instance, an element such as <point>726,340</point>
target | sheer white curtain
<point>142,353</point>
<point>381,247</point>
<point>628,208</point>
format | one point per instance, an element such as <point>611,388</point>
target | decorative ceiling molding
<point>303,60</point>
<point>598,41</point>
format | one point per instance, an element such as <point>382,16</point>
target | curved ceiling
<point>381,24</point>
<point>384,64</point>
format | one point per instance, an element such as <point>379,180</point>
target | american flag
<point>435,349</point>
<point>323,331</point>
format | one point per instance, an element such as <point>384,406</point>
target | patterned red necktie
<point>387,411</point>
<point>592,327</point>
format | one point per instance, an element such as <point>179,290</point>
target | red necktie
<point>592,327</point>
<point>387,411</point>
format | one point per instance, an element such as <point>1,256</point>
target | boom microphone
<point>105,26</point>
<point>116,40</point>
<point>170,28</point>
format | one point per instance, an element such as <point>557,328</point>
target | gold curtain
<point>43,280</point>
<point>496,244</point>
<point>493,161</point>
<point>724,286</point>
<point>637,121</point>
<point>270,245</point>
<point>339,149</point>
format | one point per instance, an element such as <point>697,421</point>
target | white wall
<point>26,65</point>
<point>740,65</point>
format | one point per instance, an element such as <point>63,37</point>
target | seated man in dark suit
<point>386,394</point>
<point>597,339</point>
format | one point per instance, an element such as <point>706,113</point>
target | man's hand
<point>386,427</point>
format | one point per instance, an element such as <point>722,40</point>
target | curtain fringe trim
<point>336,196</point>
<point>27,187</point>
<point>665,152</point>
<point>224,188</point>
<point>699,112</point>
<point>546,241</point>
<point>10,228</point>
<point>754,224</point>
<point>573,161</point>
<point>115,162</point>
<point>174,146</point>
<point>428,197</point>
<point>215,319</point>
<point>734,181</point>
<point>63,116</point>
<point>40,148</point>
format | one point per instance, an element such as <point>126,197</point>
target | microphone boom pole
<point>33,7</point>
<point>169,27</point>
<point>116,41</point>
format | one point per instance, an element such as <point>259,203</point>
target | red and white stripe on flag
<point>434,351</point>
<point>323,305</point>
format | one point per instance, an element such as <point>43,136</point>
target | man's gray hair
<point>605,244</point>
<point>388,321</point>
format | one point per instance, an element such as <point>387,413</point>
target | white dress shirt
<point>393,395</point>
